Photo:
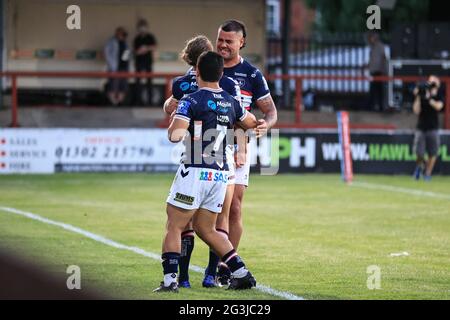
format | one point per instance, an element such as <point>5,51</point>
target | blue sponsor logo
<point>212,104</point>
<point>216,177</point>
<point>185,86</point>
<point>183,107</point>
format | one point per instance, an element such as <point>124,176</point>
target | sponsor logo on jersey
<point>184,198</point>
<point>183,107</point>
<point>191,100</point>
<point>238,74</point>
<point>212,104</point>
<point>223,119</point>
<point>185,86</point>
<point>224,104</point>
<point>217,96</point>
<point>213,177</point>
<point>246,98</point>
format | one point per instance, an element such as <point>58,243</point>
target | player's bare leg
<point>223,217</point>
<point>205,227</point>
<point>235,218</point>
<point>187,245</point>
<point>429,167</point>
<point>177,219</point>
<point>222,227</point>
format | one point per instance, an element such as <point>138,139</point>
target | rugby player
<point>200,184</point>
<point>185,85</point>
<point>231,38</point>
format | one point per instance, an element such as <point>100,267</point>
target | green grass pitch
<point>309,235</point>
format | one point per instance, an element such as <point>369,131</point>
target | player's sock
<point>214,258</point>
<point>211,269</point>
<point>235,263</point>
<point>187,245</point>
<point>170,267</point>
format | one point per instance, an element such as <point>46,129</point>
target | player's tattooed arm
<point>170,105</point>
<point>267,106</point>
<point>249,121</point>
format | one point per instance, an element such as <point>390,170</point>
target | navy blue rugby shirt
<point>214,110</point>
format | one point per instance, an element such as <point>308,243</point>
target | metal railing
<point>297,79</point>
<point>332,55</point>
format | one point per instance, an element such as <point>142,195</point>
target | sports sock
<point>170,267</point>
<point>211,269</point>
<point>235,263</point>
<point>214,258</point>
<point>187,245</point>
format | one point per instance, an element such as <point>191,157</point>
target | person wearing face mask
<point>144,47</point>
<point>427,104</point>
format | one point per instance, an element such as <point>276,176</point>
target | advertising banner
<point>320,151</point>
<point>87,150</point>
<point>148,150</point>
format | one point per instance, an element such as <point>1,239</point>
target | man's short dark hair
<point>235,26</point>
<point>210,66</point>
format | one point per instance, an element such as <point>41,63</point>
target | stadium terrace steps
<point>126,117</point>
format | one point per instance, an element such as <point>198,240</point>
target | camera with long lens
<point>423,87</point>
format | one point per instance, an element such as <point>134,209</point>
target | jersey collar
<point>241,61</point>
<point>211,89</point>
<point>191,71</point>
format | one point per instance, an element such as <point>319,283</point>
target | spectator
<point>117,55</point>
<point>144,47</point>
<point>377,66</point>
<point>427,104</point>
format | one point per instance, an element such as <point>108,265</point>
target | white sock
<point>240,273</point>
<point>169,278</point>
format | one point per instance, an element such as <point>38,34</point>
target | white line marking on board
<point>142,252</point>
<point>414,192</point>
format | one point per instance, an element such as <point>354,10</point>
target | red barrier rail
<point>299,98</point>
<point>76,74</point>
<point>168,76</point>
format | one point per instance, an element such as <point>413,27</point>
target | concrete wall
<point>40,24</point>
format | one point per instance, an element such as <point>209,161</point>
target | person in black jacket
<point>144,47</point>
<point>427,104</point>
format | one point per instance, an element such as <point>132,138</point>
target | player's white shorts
<point>195,188</point>
<point>243,173</point>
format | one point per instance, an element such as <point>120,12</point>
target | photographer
<point>427,104</point>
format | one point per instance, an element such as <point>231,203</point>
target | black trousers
<point>140,88</point>
<point>376,94</point>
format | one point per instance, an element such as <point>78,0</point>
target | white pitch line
<point>142,252</point>
<point>414,192</point>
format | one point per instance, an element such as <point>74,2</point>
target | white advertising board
<point>86,150</point>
